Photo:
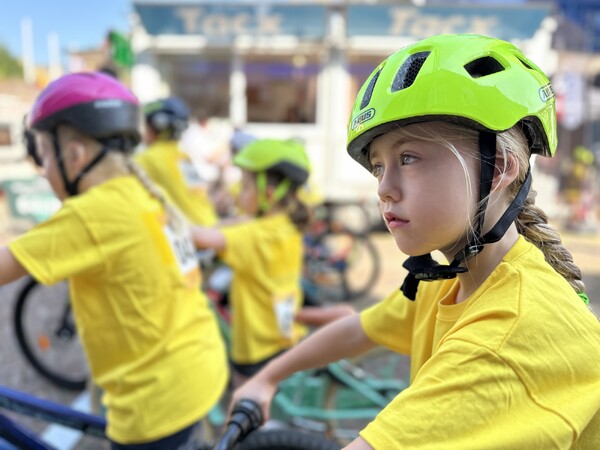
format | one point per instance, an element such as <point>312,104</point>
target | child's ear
<point>77,156</point>
<point>506,171</point>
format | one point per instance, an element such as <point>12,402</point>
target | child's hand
<point>258,389</point>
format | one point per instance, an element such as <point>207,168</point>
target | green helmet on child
<point>286,158</point>
<point>477,81</point>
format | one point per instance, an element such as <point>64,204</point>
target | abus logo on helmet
<point>363,117</point>
<point>111,103</point>
<point>546,93</point>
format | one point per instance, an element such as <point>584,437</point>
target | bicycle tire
<point>369,252</point>
<point>285,440</point>
<point>342,266</point>
<point>57,369</point>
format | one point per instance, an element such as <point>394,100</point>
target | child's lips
<point>393,221</point>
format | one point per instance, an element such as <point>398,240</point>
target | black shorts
<point>249,370</point>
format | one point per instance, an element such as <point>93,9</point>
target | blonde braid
<point>175,217</point>
<point>533,224</point>
<point>532,221</point>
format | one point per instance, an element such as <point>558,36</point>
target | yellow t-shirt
<point>265,255</point>
<point>174,172</point>
<point>515,366</point>
<point>152,343</point>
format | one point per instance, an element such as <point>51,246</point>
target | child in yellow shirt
<point>170,167</point>
<point>504,351</point>
<point>152,343</point>
<point>264,253</point>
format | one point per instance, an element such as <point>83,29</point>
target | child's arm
<point>10,268</point>
<point>358,444</point>
<point>317,316</point>
<point>340,339</point>
<point>208,238</point>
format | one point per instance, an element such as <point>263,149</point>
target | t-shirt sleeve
<point>58,248</point>
<point>390,322</point>
<point>465,396</point>
<point>240,242</point>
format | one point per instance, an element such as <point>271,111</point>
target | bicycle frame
<point>244,422</point>
<point>29,405</point>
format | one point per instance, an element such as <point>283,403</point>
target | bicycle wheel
<point>47,336</point>
<point>340,265</point>
<point>362,265</point>
<point>285,440</point>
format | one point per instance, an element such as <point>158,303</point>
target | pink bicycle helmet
<point>93,103</point>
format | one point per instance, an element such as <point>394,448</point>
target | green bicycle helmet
<point>477,80</point>
<point>469,79</point>
<point>284,157</point>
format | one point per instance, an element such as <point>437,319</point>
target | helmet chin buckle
<point>443,273</point>
<point>468,252</point>
<point>425,268</point>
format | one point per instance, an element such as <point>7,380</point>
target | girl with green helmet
<point>504,352</point>
<point>264,252</point>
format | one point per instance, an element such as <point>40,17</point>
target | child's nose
<point>389,188</point>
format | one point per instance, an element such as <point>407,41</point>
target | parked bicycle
<point>341,263</point>
<point>241,428</point>
<point>47,336</point>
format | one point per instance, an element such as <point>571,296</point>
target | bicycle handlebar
<point>245,418</point>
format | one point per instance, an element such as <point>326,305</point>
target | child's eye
<point>407,159</point>
<point>377,170</point>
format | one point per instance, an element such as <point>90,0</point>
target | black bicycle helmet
<point>168,117</point>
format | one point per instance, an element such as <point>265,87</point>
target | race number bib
<point>284,313</point>
<point>183,248</point>
<point>190,175</point>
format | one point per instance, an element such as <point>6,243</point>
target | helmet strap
<point>487,151</point>
<point>72,186</point>
<point>425,268</point>
<point>264,203</point>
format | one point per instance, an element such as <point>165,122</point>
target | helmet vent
<point>525,63</point>
<point>369,91</point>
<point>407,73</point>
<point>483,66</point>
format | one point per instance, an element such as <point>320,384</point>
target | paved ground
<point>15,372</point>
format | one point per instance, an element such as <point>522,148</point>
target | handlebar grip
<point>245,418</point>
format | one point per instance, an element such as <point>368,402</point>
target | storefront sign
<point>390,20</point>
<point>222,22</point>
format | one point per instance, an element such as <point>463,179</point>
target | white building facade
<point>291,69</point>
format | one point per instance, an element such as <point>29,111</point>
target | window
<point>202,82</point>
<point>281,88</point>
